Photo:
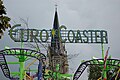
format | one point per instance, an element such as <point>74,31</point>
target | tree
<point>95,72</point>
<point>4,20</point>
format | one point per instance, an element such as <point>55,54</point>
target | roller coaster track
<point>17,52</point>
<point>82,66</point>
<point>4,66</point>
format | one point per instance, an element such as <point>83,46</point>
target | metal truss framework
<point>17,52</point>
<point>82,67</point>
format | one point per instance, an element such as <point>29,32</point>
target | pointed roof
<point>56,22</point>
<point>55,38</point>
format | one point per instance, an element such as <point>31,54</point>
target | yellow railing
<point>117,74</point>
<point>28,77</point>
<point>99,78</point>
<point>30,64</point>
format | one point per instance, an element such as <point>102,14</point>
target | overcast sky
<point>75,14</point>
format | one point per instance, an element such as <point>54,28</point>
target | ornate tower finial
<point>56,7</point>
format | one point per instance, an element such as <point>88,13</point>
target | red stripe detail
<point>104,79</point>
<point>105,58</point>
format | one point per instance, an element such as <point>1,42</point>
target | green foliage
<point>4,20</point>
<point>95,72</point>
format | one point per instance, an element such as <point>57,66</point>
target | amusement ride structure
<point>57,67</point>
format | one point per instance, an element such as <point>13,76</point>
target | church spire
<point>57,53</point>
<point>55,39</point>
<point>56,22</point>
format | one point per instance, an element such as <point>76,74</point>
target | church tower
<point>57,54</point>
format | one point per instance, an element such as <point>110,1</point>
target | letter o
<point>41,35</point>
<point>71,31</point>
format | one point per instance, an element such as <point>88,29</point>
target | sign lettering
<point>66,36</point>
